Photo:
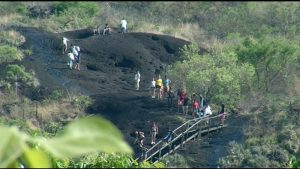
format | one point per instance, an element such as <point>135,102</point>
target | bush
<point>83,102</point>
<point>10,54</point>
<point>16,72</point>
<point>56,95</point>
<point>53,128</point>
<point>11,39</point>
<point>289,139</point>
<point>70,15</point>
<point>175,161</point>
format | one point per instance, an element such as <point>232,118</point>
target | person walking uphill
<point>65,46</point>
<point>71,60</point>
<point>123,25</point>
<point>137,79</point>
<point>77,59</point>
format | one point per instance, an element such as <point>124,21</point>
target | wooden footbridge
<point>191,129</point>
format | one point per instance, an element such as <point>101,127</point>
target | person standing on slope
<point>153,83</point>
<point>154,132</point>
<point>77,59</point>
<point>65,46</point>
<point>137,79</point>
<point>106,30</point>
<point>159,87</point>
<point>123,25</point>
<point>71,60</point>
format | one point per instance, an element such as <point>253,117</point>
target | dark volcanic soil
<point>107,73</point>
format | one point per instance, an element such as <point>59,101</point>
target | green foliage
<point>22,9</point>
<point>12,7</point>
<point>83,102</point>
<point>75,14</point>
<point>269,56</point>
<point>16,72</point>
<point>11,40</point>
<point>105,160</point>
<point>216,76</point>
<point>53,128</point>
<point>80,137</point>
<point>10,54</point>
<point>295,164</point>
<point>256,156</point>
<point>175,161</point>
<point>289,139</point>
<point>56,95</point>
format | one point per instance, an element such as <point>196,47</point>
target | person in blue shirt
<point>170,135</point>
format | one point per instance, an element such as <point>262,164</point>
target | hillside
<point>107,70</point>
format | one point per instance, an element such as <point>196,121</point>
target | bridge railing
<point>191,129</point>
<point>177,131</point>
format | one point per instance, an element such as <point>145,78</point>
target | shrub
<point>10,54</point>
<point>175,161</point>
<point>83,102</point>
<point>289,139</point>
<point>56,95</point>
<point>11,38</point>
<point>74,14</point>
<point>53,128</point>
<point>16,72</point>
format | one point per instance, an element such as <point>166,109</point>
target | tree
<point>216,76</point>
<point>270,56</point>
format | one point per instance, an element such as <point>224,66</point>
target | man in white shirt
<point>65,44</point>
<point>137,78</point>
<point>77,59</point>
<point>123,25</point>
<point>71,60</point>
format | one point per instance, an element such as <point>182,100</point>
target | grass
<point>7,19</point>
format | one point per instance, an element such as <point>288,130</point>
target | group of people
<point>74,53</point>
<point>199,107</point>
<point>140,136</point>
<point>74,57</point>
<point>107,29</point>
<point>160,87</point>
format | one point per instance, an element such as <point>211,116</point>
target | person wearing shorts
<point>154,132</point>
<point>158,86</point>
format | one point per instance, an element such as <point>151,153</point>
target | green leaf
<point>12,145</point>
<point>86,135</point>
<point>36,159</point>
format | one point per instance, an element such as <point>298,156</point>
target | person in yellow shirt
<point>159,86</point>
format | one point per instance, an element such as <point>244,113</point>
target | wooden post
<point>36,110</point>
<point>23,109</point>
<point>16,84</point>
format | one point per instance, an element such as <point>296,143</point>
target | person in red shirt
<point>182,95</point>
<point>195,107</point>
